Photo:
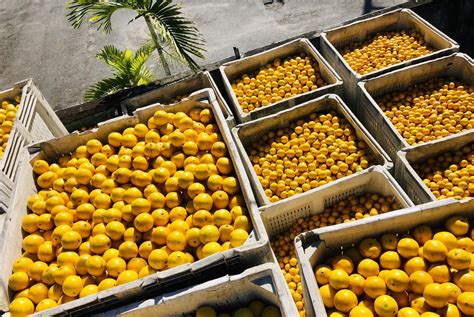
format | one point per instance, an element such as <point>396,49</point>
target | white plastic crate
<point>185,87</point>
<point>280,216</point>
<point>255,249</point>
<point>400,19</point>
<point>35,121</point>
<point>459,66</point>
<point>263,282</point>
<point>233,70</point>
<point>247,133</point>
<point>408,178</point>
<point>314,247</point>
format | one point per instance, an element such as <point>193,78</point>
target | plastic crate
<point>459,66</point>
<point>185,87</point>
<point>255,249</point>
<point>35,121</point>
<point>279,217</point>
<point>263,282</point>
<point>333,39</point>
<point>233,70</point>
<point>247,133</point>
<point>408,177</point>
<point>315,246</point>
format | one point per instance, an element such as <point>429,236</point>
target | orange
<point>374,287</point>
<point>88,290</point>
<point>159,235</point>
<point>95,265</point>
<point>106,284</point>
<point>62,273</point>
<point>203,201</point>
<point>99,243</point>
<point>128,250</point>
<point>179,225</point>
<point>436,295</point>
<point>193,237</point>
<point>397,280</point>
<point>408,312</point>
<point>112,214</point>
<point>447,238</point>
<point>72,285</point>
<point>457,225</point>
<point>178,213</point>
<point>414,264</point>
<point>140,205</point>
<point>160,175</point>
<point>459,259</point>
<point>339,279</point>
<point>83,228</point>
<point>389,241</point>
<point>385,305</point>
<point>390,260</point>
<point>160,217</point>
<point>45,304</point>
<point>238,237</point>
<point>40,167</point>
<point>408,248</point>
<point>418,281</point>
<point>157,200</point>
<point>360,311</point>
<point>222,217</point>
<point>80,265</point>
<point>210,248</point>
<point>158,259</point>
<point>368,267</point>
<point>46,252</point>
<point>454,291</point>
<point>422,234</point>
<point>176,241</point>
<point>195,189</point>
<point>21,265</point>
<point>327,294</point>
<point>439,272</point>
<point>18,281</point>
<point>38,292</point>
<point>71,240</point>
<point>434,251</point>
<point>127,276</point>
<point>85,211</point>
<point>21,307</point>
<point>356,284</point>
<point>465,280</point>
<point>209,233</point>
<point>224,165</point>
<point>145,248</point>
<point>32,242</point>
<point>465,303</point>
<point>343,262</point>
<point>345,300</point>
<point>115,266</point>
<point>230,185</point>
<point>370,248</point>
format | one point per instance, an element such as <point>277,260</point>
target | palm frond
<point>145,76</point>
<point>113,57</point>
<point>106,87</point>
<point>178,32</point>
<point>141,56</point>
<point>100,12</point>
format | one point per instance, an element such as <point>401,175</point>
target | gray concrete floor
<point>37,41</point>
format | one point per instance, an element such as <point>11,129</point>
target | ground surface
<point>37,41</point>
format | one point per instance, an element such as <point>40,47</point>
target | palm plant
<point>169,30</point>
<point>129,70</point>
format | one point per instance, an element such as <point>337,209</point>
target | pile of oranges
<point>426,272</point>
<point>308,154</point>
<point>384,49</point>
<point>154,197</point>
<point>255,308</point>
<point>349,209</point>
<point>7,117</point>
<point>276,81</point>
<point>451,174</point>
<point>431,110</point>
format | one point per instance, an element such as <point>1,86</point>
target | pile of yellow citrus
<point>255,308</point>
<point>154,197</point>
<point>426,272</point>
<point>431,110</point>
<point>308,154</point>
<point>349,209</point>
<point>384,49</point>
<point>277,81</point>
<point>7,117</point>
<point>451,174</point>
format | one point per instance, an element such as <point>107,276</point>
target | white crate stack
<point>35,121</point>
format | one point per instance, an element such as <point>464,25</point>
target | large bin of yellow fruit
<point>176,91</point>
<point>25,117</point>
<point>305,148</point>
<point>277,79</point>
<point>172,203</point>
<point>258,292</point>
<point>419,103</point>
<point>438,169</point>
<point>371,193</point>
<point>376,45</point>
<point>416,262</point>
